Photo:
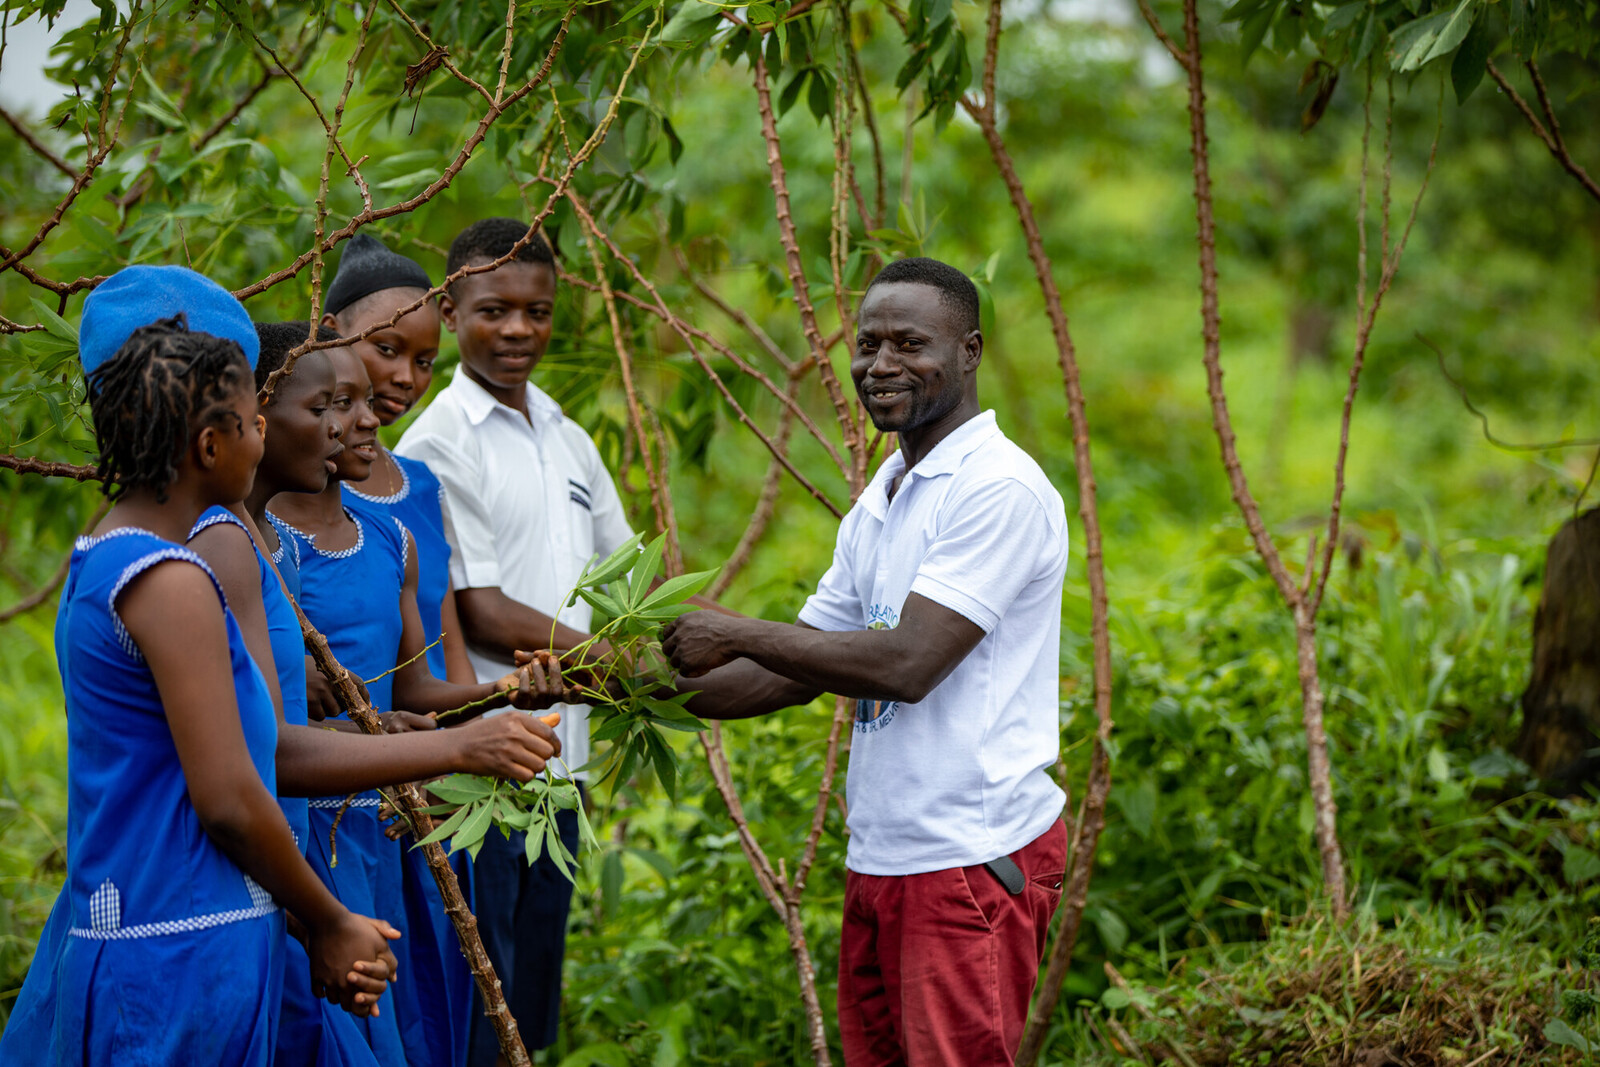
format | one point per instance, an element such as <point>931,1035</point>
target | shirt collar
<point>946,458</point>
<point>478,403</point>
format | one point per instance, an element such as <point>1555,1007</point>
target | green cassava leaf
<point>446,828</point>
<point>676,590</point>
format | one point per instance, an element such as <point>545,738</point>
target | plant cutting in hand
<point>622,676</point>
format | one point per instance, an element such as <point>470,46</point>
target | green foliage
<point>628,709</point>
<point>477,804</point>
<point>674,956</point>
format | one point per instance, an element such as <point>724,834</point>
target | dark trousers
<point>522,917</point>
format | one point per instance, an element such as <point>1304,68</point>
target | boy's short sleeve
<point>474,563</point>
<point>993,540</point>
<point>611,527</point>
<point>836,605</point>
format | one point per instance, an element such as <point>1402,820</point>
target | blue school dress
<point>150,901</point>
<point>310,1030</point>
<point>419,506</point>
<point>352,596</point>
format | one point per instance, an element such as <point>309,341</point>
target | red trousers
<point>937,969</point>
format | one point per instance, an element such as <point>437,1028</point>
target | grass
<point>1428,990</point>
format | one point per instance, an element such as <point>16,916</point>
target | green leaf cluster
<point>632,683</point>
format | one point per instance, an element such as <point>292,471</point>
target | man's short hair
<point>955,288</point>
<point>493,238</point>
<point>277,339</point>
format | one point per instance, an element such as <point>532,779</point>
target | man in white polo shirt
<point>941,615</point>
<point>531,503</point>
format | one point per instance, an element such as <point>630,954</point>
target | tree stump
<point>1561,706</point>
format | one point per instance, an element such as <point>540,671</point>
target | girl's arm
<point>415,687</point>
<point>232,557</point>
<point>314,761</point>
<point>457,665</point>
<point>172,613</point>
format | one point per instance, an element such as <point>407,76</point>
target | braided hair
<point>164,383</point>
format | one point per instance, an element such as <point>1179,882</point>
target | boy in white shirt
<point>530,502</point>
<point>941,614</point>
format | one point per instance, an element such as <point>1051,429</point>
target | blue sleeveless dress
<point>419,505</point>
<point>352,596</point>
<point>151,904</point>
<point>310,1030</point>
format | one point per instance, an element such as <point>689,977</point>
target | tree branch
<point>434,188</point>
<point>29,465</point>
<point>1087,833</point>
<point>797,275</point>
<point>48,589</point>
<point>1551,137</point>
<point>37,145</point>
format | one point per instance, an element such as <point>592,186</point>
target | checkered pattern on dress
<point>335,803</point>
<point>105,916</point>
<point>393,498</point>
<point>138,567</point>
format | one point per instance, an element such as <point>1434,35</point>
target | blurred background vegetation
<point>1468,875</point>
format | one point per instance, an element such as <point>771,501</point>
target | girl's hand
<point>506,746</point>
<point>406,722</point>
<point>321,700</point>
<point>351,963</point>
<point>540,682</point>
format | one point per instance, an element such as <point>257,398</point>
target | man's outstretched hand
<point>702,641</point>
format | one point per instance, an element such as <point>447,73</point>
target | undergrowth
<point>1427,990</point>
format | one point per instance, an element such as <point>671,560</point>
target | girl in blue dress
<point>372,286</point>
<point>178,858</point>
<point>258,578</point>
<point>358,579</point>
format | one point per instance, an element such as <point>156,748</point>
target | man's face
<point>912,358</point>
<point>501,320</point>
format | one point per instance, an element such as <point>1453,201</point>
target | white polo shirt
<point>530,503</point>
<point>963,776</point>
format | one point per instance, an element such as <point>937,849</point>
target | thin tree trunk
<point>410,802</point>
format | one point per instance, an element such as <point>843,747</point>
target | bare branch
<point>766,505</point>
<point>439,184</point>
<point>660,491</point>
<point>49,469</point>
<point>797,275</point>
<point>445,60</point>
<point>1551,137</point>
<point>688,334</point>
<point>37,145</point>
<point>98,149</point>
<point>1178,55</point>
<point>1391,264</point>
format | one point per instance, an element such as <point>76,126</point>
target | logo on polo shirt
<point>874,715</point>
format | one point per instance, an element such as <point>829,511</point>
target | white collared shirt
<point>530,503</point>
<point>963,776</point>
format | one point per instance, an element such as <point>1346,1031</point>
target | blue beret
<point>137,296</point>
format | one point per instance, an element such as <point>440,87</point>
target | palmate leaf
<point>613,566</point>
<point>462,788</point>
<point>470,836</point>
<point>446,828</point>
<point>676,590</point>
<point>644,569</point>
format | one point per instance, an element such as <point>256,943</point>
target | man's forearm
<point>498,625</point>
<point>863,664</point>
<point>743,690</point>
